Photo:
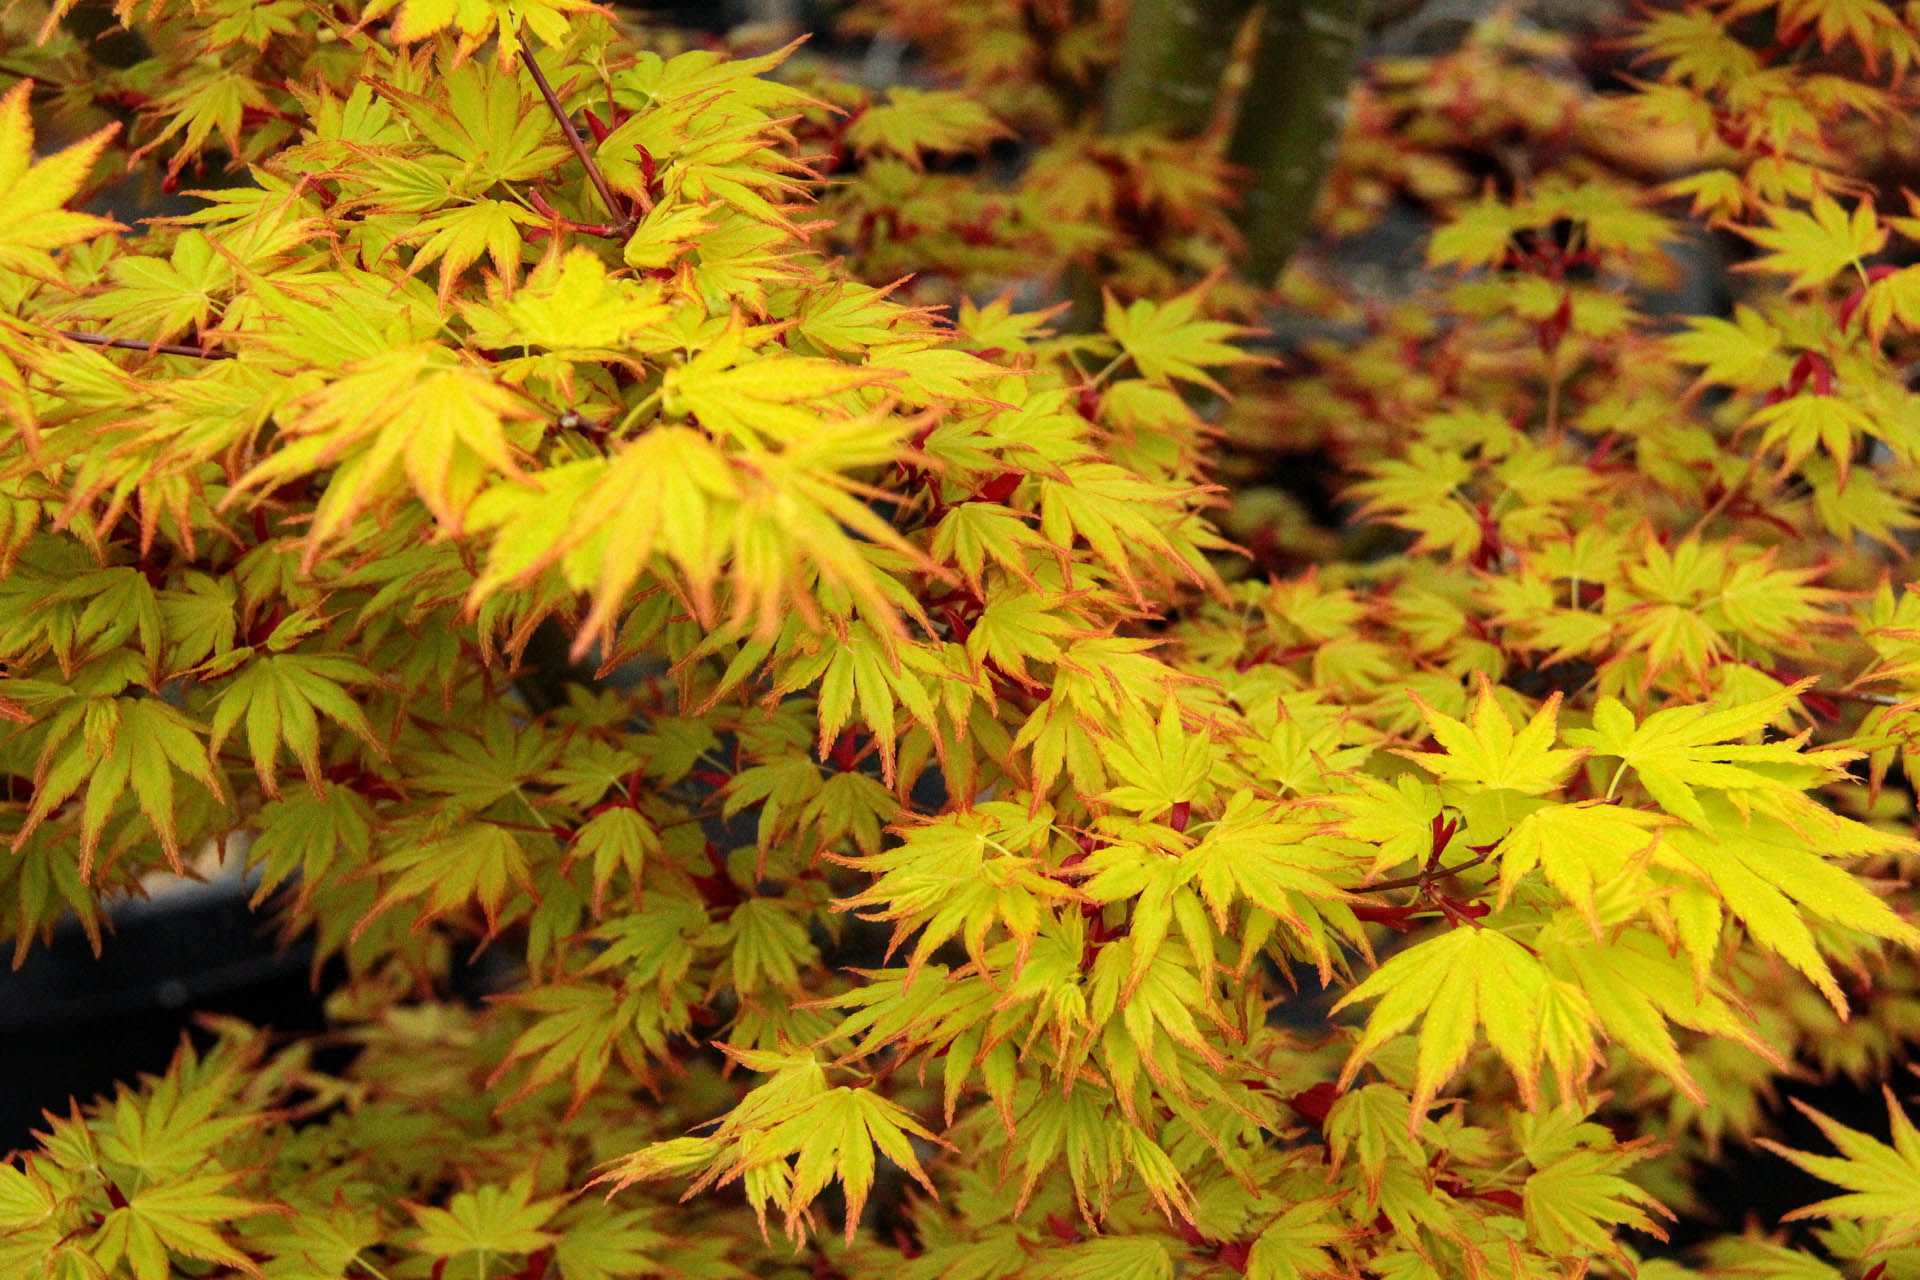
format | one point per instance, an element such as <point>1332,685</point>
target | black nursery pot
<point>71,1024</point>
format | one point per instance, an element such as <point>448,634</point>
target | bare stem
<point>1552,431</point>
<point>1853,695</point>
<point>574,139</point>
<point>136,344</point>
<point>1427,877</point>
<point>1727,495</point>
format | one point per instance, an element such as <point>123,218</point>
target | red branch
<point>574,139</point>
<point>135,344</point>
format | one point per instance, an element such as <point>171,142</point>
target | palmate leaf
<point>1112,1258</point>
<point>1115,511</point>
<point>456,238</point>
<point>833,1139</point>
<point>912,121</point>
<point>618,838</point>
<point>1745,351</point>
<point>1372,1125</point>
<point>575,1033</point>
<point>1577,1202</point>
<point>570,304</point>
<point>1765,872</point>
<point>413,419</point>
<point>754,395</point>
<point>1882,1182</point>
<point>598,1242</point>
<point>1295,1245</point>
<point>765,942</point>
<point>1869,26</point>
<point>1169,340</point>
<point>1018,625</point>
<point>1580,848</point>
<point>1816,246</point>
<point>1488,753</point>
<point>32,219</point>
<point>860,668</point>
<point>962,875</point>
<point>1275,865</point>
<point>973,533</point>
<point>302,835</point>
<point>173,1218</point>
<point>1463,979</point>
<point>827,1133</point>
<point>477,20</point>
<point>1161,766</point>
<point>1681,748</point>
<point>208,100</point>
<point>278,696</point>
<point>162,298</point>
<point>487,1220</point>
<point>1631,988</point>
<point>1478,235</point>
<point>162,1148</point>
<point>109,745</point>
<point>488,128</point>
<point>474,862</point>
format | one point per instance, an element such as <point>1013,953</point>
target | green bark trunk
<point>1171,63</point>
<point>1290,118</point>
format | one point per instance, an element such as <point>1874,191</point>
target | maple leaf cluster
<point>949,810</point>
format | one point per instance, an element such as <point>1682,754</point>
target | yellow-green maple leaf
<point>1882,1182</point>
<point>1169,340</point>
<point>1465,977</point>
<point>417,416</point>
<point>1817,246</point>
<point>475,20</point>
<point>33,219</point>
<point>1486,751</point>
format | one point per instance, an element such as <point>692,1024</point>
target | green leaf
<point>1581,848</point>
<point>597,1242</point>
<point>32,219</point>
<point>1294,1246</point>
<point>1112,1258</point>
<point>414,419</point>
<point>1489,753</point>
<point>1576,1203</point>
<point>1478,235</point>
<point>834,1138</point>
<point>1169,340</point>
<point>456,238</point>
<point>174,1218</point>
<point>1816,246</point>
<point>1882,1182</point>
<point>278,696</point>
<point>476,861</point>
<point>617,839</point>
<point>912,121</point>
<point>1464,978</point>
<point>487,1220</point>
<point>1680,748</point>
<point>137,742</point>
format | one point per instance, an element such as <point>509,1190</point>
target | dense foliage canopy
<point>962,793</point>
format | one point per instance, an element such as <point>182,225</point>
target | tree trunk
<point>1290,119</point>
<point>1171,62</point>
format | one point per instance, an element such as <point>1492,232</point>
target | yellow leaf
<point>1813,248</point>
<point>32,219</point>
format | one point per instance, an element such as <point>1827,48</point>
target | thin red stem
<point>136,344</point>
<point>574,139</point>
<point>1426,877</point>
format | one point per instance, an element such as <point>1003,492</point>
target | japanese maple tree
<point>956,803</point>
